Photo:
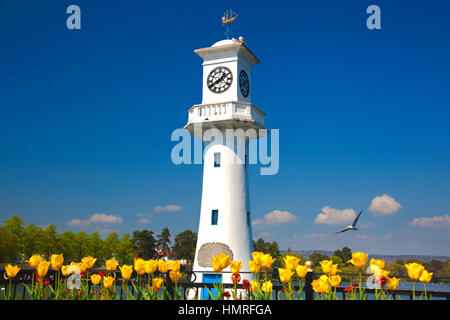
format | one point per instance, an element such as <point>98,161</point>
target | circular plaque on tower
<point>211,249</point>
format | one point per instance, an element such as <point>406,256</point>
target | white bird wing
<point>343,230</point>
<point>356,219</point>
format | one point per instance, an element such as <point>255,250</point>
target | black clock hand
<point>217,81</point>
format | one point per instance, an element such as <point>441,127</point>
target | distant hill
<point>387,258</point>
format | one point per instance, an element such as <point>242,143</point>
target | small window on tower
<point>216,159</point>
<point>214,217</point>
<point>248,219</point>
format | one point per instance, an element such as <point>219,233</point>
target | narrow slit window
<point>248,218</point>
<point>216,159</point>
<point>214,217</point>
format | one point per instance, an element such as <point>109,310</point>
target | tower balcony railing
<point>231,110</point>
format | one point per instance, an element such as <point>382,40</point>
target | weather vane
<point>227,19</point>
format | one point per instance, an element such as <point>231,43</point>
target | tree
<point>164,239</point>
<point>111,245</point>
<point>144,243</point>
<point>345,254</point>
<point>10,249</point>
<point>66,241</point>
<point>338,260</point>
<point>267,247</point>
<point>81,245</point>
<point>396,268</point>
<point>32,240</point>
<point>49,241</point>
<point>184,246</point>
<point>96,247</point>
<point>125,250</point>
<point>16,230</point>
<point>316,257</point>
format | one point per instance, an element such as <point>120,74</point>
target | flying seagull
<point>353,226</point>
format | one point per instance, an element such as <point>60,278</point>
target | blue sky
<point>86,117</point>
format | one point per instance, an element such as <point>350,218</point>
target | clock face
<point>244,83</point>
<point>219,79</point>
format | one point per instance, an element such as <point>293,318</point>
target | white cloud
<point>105,218</point>
<point>257,223</point>
<point>97,218</point>
<point>143,215</point>
<point>438,221</point>
<point>275,217</point>
<point>334,216</point>
<point>168,208</point>
<point>364,237</point>
<point>384,205</point>
<point>314,236</point>
<point>78,223</point>
<point>144,221</point>
<point>265,235</point>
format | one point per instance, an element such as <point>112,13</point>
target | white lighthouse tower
<point>225,215</point>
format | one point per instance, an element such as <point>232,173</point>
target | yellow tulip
<point>320,285</point>
<point>42,268</point>
<point>163,266</point>
<point>235,267</point>
<point>254,267</point>
<point>324,277</point>
<point>175,265</point>
<point>224,260</point>
<point>393,283</point>
<point>414,270</point>
<point>82,266</point>
<point>335,280</point>
<point>64,270</point>
<point>88,262</point>
<point>111,264</point>
<point>126,271</point>
<point>151,266</point>
<point>301,271</point>
<point>220,262</point>
<point>175,276</point>
<point>377,262</point>
<point>267,260</point>
<point>257,257</point>
<point>426,276</point>
<point>383,273</point>
<point>57,261</point>
<point>108,282</point>
<point>11,270</point>
<point>254,286</point>
<point>34,261</point>
<point>267,287</point>
<point>217,267</point>
<point>157,283</point>
<point>95,279</point>
<point>285,275</point>
<point>139,266</point>
<point>359,259</point>
<point>291,262</point>
<point>328,267</point>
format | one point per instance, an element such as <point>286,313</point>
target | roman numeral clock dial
<point>219,79</point>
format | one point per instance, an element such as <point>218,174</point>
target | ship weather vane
<point>228,18</point>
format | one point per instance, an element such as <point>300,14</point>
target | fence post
<point>309,293</point>
<point>169,286</point>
